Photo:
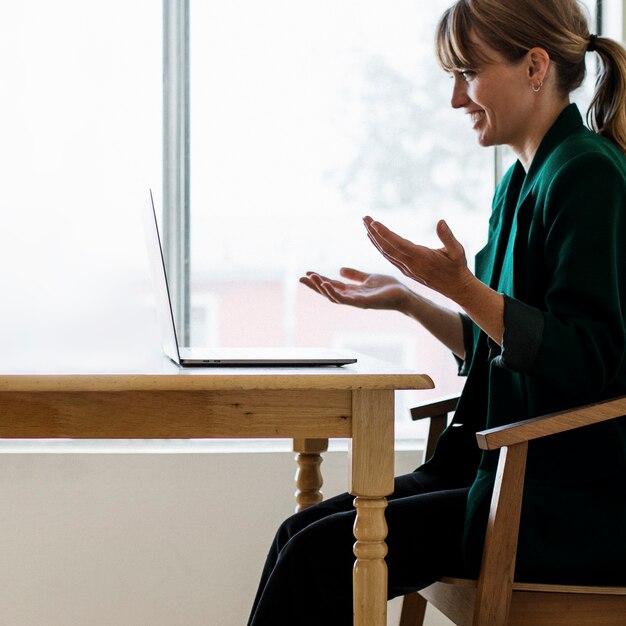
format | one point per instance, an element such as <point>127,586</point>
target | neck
<point>544,115</point>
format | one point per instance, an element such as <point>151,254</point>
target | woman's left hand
<point>443,269</point>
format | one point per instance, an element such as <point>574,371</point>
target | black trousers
<point>307,578</point>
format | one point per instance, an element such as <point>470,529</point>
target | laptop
<point>203,357</point>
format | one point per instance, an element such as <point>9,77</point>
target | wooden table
<point>309,405</point>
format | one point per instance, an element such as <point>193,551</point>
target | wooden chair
<point>495,599</point>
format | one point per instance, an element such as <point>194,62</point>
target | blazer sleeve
<point>579,335</point>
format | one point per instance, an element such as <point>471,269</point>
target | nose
<point>459,92</point>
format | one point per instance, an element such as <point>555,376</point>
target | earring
<point>537,88</point>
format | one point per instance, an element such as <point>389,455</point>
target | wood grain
<point>372,439</point>
<point>175,414</point>
<point>534,604</point>
<point>309,479</point>
<point>370,569</point>
<point>162,374</point>
<point>559,609</point>
<point>493,594</point>
<point>535,428</point>
<point>456,602</point>
<point>413,610</point>
<point>371,478</point>
<point>544,588</point>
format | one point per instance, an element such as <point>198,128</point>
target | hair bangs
<point>453,46</point>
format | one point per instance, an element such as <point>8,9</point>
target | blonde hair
<point>512,27</point>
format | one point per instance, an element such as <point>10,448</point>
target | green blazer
<point>557,250</point>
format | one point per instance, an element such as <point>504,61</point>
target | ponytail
<point>607,112</point>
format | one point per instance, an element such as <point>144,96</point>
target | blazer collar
<point>567,122</point>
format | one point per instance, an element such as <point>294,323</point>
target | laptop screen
<point>159,280</point>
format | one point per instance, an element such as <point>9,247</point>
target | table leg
<point>308,475</point>
<point>371,479</point>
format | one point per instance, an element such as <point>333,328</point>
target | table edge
<point>208,382</point>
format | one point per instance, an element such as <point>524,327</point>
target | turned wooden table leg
<point>371,461</point>
<point>309,475</point>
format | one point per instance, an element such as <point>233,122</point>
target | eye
<point>467,75</point>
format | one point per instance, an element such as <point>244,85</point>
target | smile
<point>476,117</point>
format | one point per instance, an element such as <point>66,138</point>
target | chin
<point>485,142</point>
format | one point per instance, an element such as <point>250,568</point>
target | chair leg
<point>413,610</point>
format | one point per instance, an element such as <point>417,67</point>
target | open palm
<point>364,290</point>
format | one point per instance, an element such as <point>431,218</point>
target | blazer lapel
<point>522,208</point>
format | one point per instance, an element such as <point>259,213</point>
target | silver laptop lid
<point>165,314</point>
<point>224,356</point>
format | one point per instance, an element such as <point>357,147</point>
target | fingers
<point>346,272</point>
<point>449,241</point>
<point>376,234</point>
<point>306,280</point>
<point>385,234</point>
<point>382,250</point>
<point>417,262</point>
<point>313,281</point>
<point>376,244</point>
<point>314,277</point>
<point>351,274</point>
<point>393,245</point>
<point>398,251</point>
<point>331,289</point>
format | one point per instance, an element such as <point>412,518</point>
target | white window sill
<point>172,446</point>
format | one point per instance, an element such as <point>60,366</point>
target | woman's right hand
<point>365,291</point>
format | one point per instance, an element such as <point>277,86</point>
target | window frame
<point>176,161</point>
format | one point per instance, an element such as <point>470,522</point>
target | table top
<point>159,373</point>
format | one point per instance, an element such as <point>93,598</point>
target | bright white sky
<point>81,142</point>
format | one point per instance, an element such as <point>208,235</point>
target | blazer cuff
<point>523,333</point>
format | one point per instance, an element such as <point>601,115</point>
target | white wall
<point>143,539</point>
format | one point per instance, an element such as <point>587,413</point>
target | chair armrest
<point>437,411</point>
<point>443,405</point>
<point>552,424</point>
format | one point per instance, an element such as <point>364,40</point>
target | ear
<point>537,64</point>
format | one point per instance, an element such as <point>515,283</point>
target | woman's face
<point>497,97</point>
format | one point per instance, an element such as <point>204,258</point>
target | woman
<point>543,327</point>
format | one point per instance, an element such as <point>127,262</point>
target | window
<point>81,136</point>
<point>305,117</point>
